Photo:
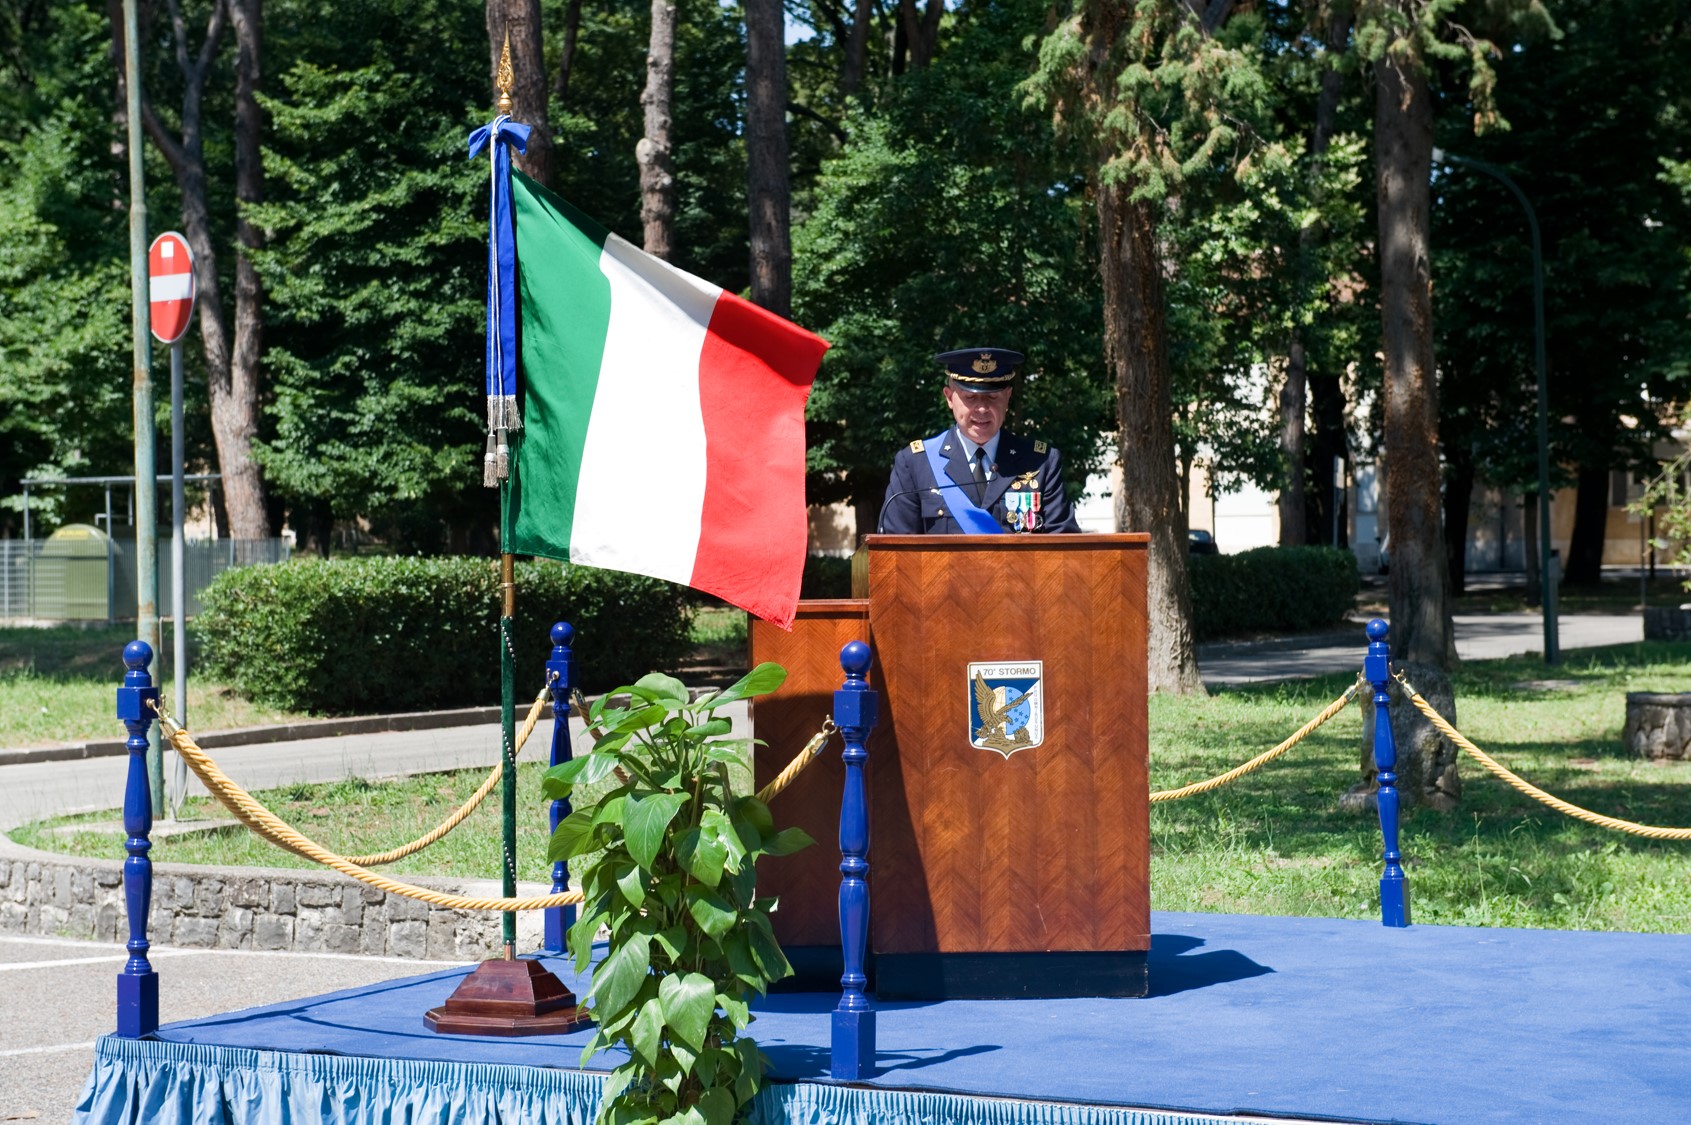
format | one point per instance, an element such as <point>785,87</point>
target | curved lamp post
<point>1552,653</point>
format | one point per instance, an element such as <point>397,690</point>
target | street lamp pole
<point>1552,651</point>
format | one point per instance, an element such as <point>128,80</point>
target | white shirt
<point>991,448</point>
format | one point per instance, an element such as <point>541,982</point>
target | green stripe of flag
<point>566,313</point>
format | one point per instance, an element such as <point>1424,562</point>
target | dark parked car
<point>1201,543</point>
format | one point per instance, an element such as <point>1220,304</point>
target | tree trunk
<point>1294,395</point>
<point>1294,405</point>
<point>1584,564</point>
<point>1419,583</point>
<point>856,62</point>
<point>1327,448</point>
<point>235,411</point>
<point>566,62</point>
<point>921,31</point>
<point>520,20</point>
<point>766,156</point>
<point>657,175</point>
<point>1136,351</point>
<point>1419,594</point>
<point>233,392</point>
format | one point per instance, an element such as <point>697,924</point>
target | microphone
<point>881,519</point>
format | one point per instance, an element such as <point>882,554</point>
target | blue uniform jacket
<point>916,505</point>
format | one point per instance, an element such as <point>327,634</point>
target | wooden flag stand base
<point>516,997</point>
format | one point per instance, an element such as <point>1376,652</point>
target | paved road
<point>60,993</point>
<point>59,998</point>
<point>1478,637</point>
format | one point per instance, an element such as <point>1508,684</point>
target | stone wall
<point>249,908</point>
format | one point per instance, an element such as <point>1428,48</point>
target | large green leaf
<point>619,976</point>
<point>672,941</point>
<point>762,680</point>
<point>641,719</point>
<point>644,823</point>
<point>710,910</point>
<point>632,884</point>
<point>787,841</point>
<point>711,728</point>
<point>718,822</point>
<point>689,1002</point>
<point>586,770</point>
<point>767,952</point>
<point>702,855</point>
<point>717,1106</point>
<point>656,687</point>
<point>757,812</point>
<point>571,836</point>
<point>647,1037</point>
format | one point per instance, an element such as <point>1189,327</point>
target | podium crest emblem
<point>1007,706</point>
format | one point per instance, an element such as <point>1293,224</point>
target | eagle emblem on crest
<point>1006,706</point>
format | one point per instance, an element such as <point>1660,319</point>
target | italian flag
<point>663,417</point>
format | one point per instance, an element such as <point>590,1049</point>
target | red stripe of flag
<point>755,372</point>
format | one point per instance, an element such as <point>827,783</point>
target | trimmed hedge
<point>398,634</point>
<point>825,577</point>
<point>1271,589</point>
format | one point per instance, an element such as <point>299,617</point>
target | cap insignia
<point>985,365</point>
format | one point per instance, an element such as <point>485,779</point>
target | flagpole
<point>506,995</point>
<point>508,710</point>
<point>504,79</point>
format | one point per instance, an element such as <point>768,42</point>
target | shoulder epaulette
<point>1040,447</point>
<point>917,446</point>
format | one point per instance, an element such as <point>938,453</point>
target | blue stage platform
<point>1304,1018</point>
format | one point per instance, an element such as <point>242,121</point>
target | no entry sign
<point>170,286</point>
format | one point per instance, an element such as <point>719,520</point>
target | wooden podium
<point>1009,849</point>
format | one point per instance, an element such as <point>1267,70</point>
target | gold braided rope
<point>467,807</point>
<point>1521,785</point>
<point>1267,756</point>
<point>802,759</point>
<point>271,827</point>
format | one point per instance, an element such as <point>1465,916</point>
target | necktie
<point>980,476</point>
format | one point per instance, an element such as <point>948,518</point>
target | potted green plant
<point>667,857</point>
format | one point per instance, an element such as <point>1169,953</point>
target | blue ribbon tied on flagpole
<point>499,137</point>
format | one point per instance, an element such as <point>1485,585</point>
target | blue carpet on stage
<point>1297,1017</point>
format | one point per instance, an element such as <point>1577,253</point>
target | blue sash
<point>970,516</point>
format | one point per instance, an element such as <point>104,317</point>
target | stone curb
<point>278,732</point>
<point>286,909</point>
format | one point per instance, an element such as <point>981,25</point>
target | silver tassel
<point>490,463</point>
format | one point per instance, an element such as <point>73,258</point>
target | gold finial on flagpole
<point>504,77</point>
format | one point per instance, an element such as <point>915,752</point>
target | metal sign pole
<point>178,552</point>
<point>171,292</point>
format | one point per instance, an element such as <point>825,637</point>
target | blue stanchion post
<point>138,984</point>
<point>560,673</point>
<point>1376,669</point>
<point>852,1053</point>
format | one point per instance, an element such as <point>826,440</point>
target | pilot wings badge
<point>1007,706</point>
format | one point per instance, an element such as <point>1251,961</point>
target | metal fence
<point>94,580</point>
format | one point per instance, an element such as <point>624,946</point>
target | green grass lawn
<point>58,685</point>
<point>1276,843</point>
<point>1272,843</point>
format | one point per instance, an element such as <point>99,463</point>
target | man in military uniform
<point>975,477</point>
